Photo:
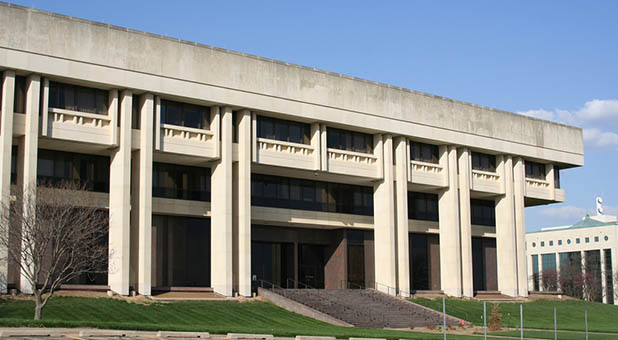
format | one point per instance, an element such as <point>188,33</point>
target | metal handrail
<point>296,283</point>
<point>345,284</point>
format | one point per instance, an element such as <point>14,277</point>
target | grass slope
<point>537,314</point>
<point>218,317</point>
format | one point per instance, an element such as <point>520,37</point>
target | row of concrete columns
<point>131,215</point>
<point>391,224</point>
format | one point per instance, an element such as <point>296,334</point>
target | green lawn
<point>538,314</point>
<point>218,317</point>
<point>561,335</point>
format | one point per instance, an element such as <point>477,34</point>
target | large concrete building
<point>220,169</point>
<point>584,254</point>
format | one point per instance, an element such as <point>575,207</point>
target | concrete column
<point>315,143</point>
<point>244,203</point>
<point>143,170</point>
<point>384,222</point>
<point>450,244</point>
<point>31,140</point>
<point>403,254</point>
<point>603,274</point>
<point>505,231</point>
<point>541,272</point>
<point>467,275</point>
<point>120,201</point>
<point>221,221</point>
<point>558,271</point>
<point>519,182</point>
<point>530,274</point>
<point>6,143</point>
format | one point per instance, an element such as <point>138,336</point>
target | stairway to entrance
<point>367,308</point>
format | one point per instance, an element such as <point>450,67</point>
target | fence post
<point>555,325</point>
<point>444,316</point>
<point>485,320</point>
<point>586,317</point>
<point>521,321</point>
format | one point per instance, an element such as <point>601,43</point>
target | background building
<point>579,259</point>
<point>221,169</point>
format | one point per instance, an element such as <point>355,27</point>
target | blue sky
<point>551,59</point>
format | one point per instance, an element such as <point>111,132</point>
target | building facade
<point>579,259</point>
<point>224,170</point>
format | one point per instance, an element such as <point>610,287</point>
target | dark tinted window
<point>535,170</point>
<point>55,167</point>
<point>135,112</point>
<point>483,212</point>
<point>183,114</point>
<point>293,193</point>
<point>483,161</point>
<point>424,152</point>
<point>350,140</point>
<point>283,130</point>
<point>78,98</point>
<point>422,206</point>
<point>19,100</point>
<point>181,182</point>
<point>14,164</point>
<point>557,177</point>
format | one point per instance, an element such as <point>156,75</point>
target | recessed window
<point>533,244</point>
<point>587,239</point>
<point>535,170</point>
<point>542,243</point>
<point>422,152</point>
<point>568,241</point>
<point>483,212</point>
<point>184,114</point>
<point>349,140</point>
<point>606,238</point>
<point>556,177</point>
<point>551,243</point>
<point>19,101</point>
<point>78,98</point>
<point>483,162</point>
<point>422,206</point>
<point>577,240</point>
<point>559,242</point>
<point>596,239</point>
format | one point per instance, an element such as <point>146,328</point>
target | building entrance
<point>181,251</point>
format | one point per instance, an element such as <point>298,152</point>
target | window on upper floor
<point>301,194</point>
<point>283,130</point>
<point>349,140</point>
<point>596,239</point>
<point>89,171</point>
<point>78,98</point>
<point>135,112</point>
<point>422,206</point>
<point>483,212</point>
<point>184,114</point>
<point>542,243</point>
<point>556,177</point>
<point>181,182</point>
<point>551,243</point>
<point>483,162</point>
<point>424,152</point>
<point>535,170</point>
<point>559,242</point>
<point>19,96</point>
<point>14,164</point>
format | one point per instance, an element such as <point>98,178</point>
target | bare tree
<point>571,280</point>
<point>549,278</point>
<point>54,234</point>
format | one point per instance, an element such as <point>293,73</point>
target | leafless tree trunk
<point>549,278</point>
<point>60,235</point>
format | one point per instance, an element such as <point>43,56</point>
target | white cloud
<point>599,109</point>
<point>598,117</point>
<point>598,138</point>
<point>564,213</point>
